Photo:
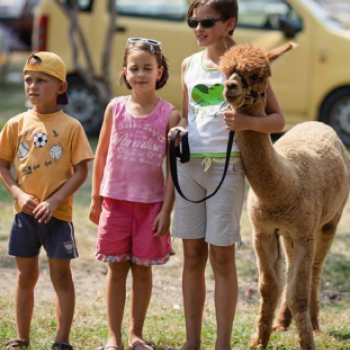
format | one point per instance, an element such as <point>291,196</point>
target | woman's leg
<point>141,292</point>
<point>193,289</point>
<point>115,295</point>
<point>61,277</point>
<point>222,260</point>
<point>27,276</point>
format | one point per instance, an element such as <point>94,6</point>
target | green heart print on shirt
<point>205,96</point>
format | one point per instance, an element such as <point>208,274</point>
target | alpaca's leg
<point>324,241</point>
<point>268,250</point>
<point>299,288</point>
<point>284,317</point>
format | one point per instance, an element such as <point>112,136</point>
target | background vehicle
<point>16,18</point>
<point>311,83</point>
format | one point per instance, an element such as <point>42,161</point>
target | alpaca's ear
<point>276,53</point>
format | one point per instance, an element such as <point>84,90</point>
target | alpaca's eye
<point>254,77</point>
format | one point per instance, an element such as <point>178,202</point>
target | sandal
<point>115,347</point>
<point>16,344</point>
<point>57,345</point>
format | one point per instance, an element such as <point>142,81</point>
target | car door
<point>264,23</point>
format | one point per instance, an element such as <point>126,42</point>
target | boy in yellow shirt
<point>50,152</point>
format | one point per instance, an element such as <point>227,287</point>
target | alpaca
<point>298,189</point>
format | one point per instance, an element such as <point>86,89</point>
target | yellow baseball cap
<point>50,64</point>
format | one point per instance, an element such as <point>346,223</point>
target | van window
<point>157,9</point>
<point>83,5</point>
<point>265,14</point>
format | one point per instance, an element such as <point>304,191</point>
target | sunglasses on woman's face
<point>205,23</point>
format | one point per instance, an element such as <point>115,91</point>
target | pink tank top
<point>137,148</point>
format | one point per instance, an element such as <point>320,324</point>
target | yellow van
<point>311,83</point>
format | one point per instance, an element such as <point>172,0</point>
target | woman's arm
<point>182,124</point>
<point>99,164</point>
<point>272,122</point>
<point>162,221</point>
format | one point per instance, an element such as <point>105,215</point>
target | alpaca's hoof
<point>279,328</point>
<point>255,343</point>
<point>317,331</point>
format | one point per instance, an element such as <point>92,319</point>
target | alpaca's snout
<point>232,90</point>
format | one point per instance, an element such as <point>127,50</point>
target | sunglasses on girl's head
<point>152,42</point>
<point>205,23</point>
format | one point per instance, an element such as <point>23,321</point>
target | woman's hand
<point>95,210</point>
<point>236,121</point>
<point>161,224</point>
<point>180,128</point>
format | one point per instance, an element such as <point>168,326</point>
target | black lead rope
<point>183,153</point>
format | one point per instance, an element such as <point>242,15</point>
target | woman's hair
<point>152,50</point>
<point>227,8</point>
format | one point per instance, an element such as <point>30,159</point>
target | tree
<point>101,86</point>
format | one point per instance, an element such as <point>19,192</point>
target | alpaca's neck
<point>266,170</point>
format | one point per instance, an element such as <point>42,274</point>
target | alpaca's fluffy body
<point>299,187</point>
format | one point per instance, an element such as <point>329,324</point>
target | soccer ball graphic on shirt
<point>40,139</point>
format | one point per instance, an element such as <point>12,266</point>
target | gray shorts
<point>28,235</point>
<point>217,220</point>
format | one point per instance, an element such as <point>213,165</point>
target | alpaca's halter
<point>251,92</point>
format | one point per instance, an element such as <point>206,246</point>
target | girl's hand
<point>95,210</point>
<point>181,128</point>
<point>161,224</point>
<point>27,203</point>
<point>44,210</point>
<point>236,121</point>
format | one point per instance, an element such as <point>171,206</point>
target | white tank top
<point>207,130</point>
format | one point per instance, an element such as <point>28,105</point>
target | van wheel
<point>84,105</point>
<point>335,111</point>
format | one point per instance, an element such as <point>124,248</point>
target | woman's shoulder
<point>118,100</point>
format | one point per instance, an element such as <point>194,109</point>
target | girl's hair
<point>153,50</point>
<point>227,8</point>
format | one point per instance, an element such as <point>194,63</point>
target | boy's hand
<point>44,211</point>
<point>27,203</point>
<point>161,224</point>
<point>95,210</point>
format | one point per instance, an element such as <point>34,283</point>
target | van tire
<point>84,105</point>
<point>335,111</point>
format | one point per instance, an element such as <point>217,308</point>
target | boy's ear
<point>63,87</point>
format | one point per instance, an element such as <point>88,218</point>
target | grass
<point>165,321</point>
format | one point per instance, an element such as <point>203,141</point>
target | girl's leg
<point>27,276</point>
<point>226,289</point>
<point>141,292</point>
<point>193,289</point>
<point>61,277</point>
<point>115,295</point>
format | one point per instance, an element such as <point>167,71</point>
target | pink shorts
<point>125,233</point>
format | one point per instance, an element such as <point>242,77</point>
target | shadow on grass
<point>340,335</point>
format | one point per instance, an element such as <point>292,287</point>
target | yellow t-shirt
<point>43,149</point>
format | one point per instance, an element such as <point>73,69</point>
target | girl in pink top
<point>131,200</point>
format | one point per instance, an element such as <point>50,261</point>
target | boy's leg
<point>61,277</point>
<point>141,292</point>
<point>222,260</point>
<point>115,295</point>
<point>27,276</point>
<point>193,289</point>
